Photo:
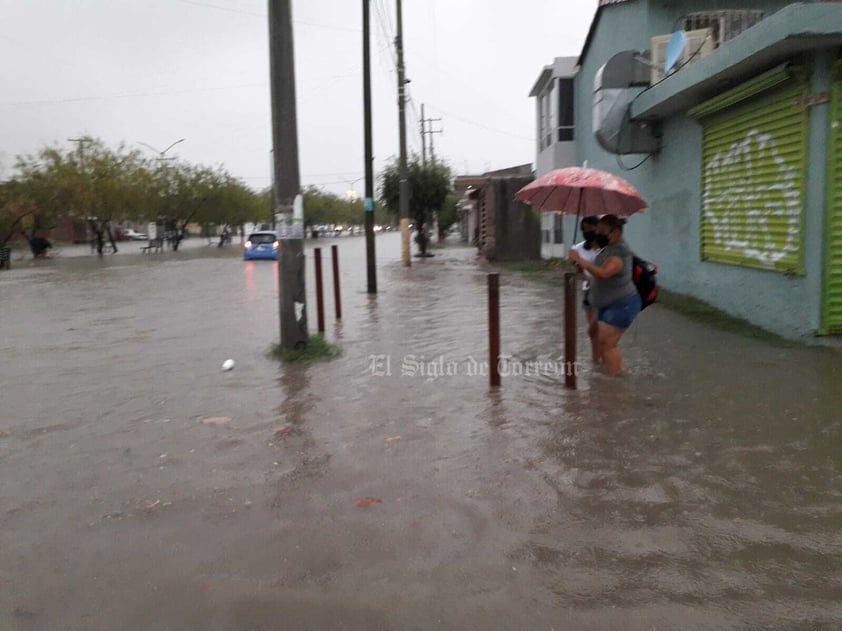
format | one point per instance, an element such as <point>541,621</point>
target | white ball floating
<point>228,364</point>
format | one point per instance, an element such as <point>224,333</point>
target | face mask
<point>602,240</point>
<point>590,236</point>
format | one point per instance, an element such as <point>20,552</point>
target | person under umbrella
<point>588,250</point>
<point>612,291</point>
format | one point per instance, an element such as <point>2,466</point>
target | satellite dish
<point>678,42</point>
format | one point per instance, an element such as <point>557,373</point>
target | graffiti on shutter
<point>743,212</point>
<point>754,163</point>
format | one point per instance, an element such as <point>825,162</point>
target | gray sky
<point>156,71</point>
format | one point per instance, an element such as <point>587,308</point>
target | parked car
<point>128,233</point>
<point>261,245</point>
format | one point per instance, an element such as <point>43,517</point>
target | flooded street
<point>144,488</point>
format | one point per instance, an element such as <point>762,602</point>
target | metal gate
<point>755,148</point>
<point>832,304</point>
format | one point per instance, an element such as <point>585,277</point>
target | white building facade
<point>555,138</point>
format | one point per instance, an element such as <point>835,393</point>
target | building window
<point>546,131</point>
<point>558,229</point>
<point>545,118</point>
<point>565,110</point>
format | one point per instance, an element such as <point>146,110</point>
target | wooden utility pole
<point>291,284</point>
<point>427,130</point>
<point>371,264</point>
<point>423,137</point>
<point>404,177</point>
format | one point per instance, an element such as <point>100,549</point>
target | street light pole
<point>162,159</point>
<point>351,193</point>
<point>162,154</point>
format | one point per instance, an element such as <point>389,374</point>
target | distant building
<point>501,228</point>
<point>555,132</point>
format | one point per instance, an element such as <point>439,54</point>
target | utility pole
<point>291,289</point>
<point>371,264</point>
<point>404,178</point>
<point>432,143</point>
<point>427,130</point>
<point>423,137</point>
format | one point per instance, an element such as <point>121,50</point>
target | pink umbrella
<point>582,191</point>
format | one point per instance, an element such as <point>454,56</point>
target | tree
<point>429,185</point>
<point>185,193</point>
<point>15,209</point>
<point>448,215</point>
<point>100,185</point>
<point>229,202</point>
<point>321,207</point>
<point>91,182</point>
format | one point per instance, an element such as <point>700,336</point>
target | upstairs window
<point>565,110</point>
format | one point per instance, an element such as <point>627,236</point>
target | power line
<point>481,125</point>
<point>388,15</point>
<point>336,173</point>
<point>205,5</point>
<point>385,31</point>
<point>219,8</point>
<point>131,95</point>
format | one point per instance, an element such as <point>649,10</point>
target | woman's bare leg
<point>609,338</point>
<point>593,334</point>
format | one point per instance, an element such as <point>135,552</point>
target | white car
<point>135,236</point>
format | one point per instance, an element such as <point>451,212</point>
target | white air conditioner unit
<point>699,44</point>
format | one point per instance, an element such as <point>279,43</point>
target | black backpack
<point>644,277</point>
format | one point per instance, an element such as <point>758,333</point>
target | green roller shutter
<point>833,233</point>
<point>754,161</point>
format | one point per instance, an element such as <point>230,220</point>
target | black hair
<point>613,222</point>
<point>591,220</point>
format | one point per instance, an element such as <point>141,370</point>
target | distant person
<point>612,291</point>
<point>224,238</point>
<point>588,250</point>
<point>39,246</point>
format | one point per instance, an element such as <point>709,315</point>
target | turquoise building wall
<point>669,231</point>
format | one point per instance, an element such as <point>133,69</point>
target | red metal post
<point>320,300</point>
<point>494,329</point>
<point>570,330</point>
<point>337,295</point>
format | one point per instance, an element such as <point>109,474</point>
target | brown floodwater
<point>143,487</point>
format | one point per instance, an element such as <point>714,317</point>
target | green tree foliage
<point>449,214</point>
<point>16,209</point>
<point>429,185</point>
<point>322,208</point>
<point>92,182</point>
<point>103,186</point>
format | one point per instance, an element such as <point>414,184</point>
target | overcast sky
<point>156,71</point>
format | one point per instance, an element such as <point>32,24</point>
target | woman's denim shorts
<point>622,313</point>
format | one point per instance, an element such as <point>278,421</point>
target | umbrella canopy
<point>582,191</point>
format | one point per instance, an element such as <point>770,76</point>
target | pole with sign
<point>371,266</point>
<point>289,209</point>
